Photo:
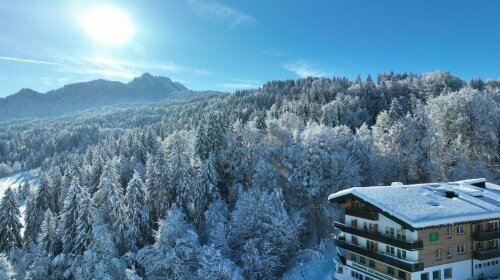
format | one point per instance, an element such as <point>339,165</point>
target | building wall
<point>428,254</point>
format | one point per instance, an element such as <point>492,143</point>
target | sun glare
<point>108,25</point>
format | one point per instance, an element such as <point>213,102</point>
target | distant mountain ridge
<point>28,103</point>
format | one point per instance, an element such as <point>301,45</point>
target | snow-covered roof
<point>427,205</point>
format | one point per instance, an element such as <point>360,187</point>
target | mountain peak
<point>159,83</point>
<point>90,94</point>
<point>25,93</point>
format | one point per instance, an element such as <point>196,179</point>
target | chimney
<point>450,194</point>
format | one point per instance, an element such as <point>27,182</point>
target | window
<point>365,225</point>
<point>389,231</point>
<point>460,230</point>
<point>424,276</point>
<point>480,265</point>
<point>340,269</point>
<point>496,226</point>
<point>479,246</point>
<point>353,257</point>
<point>401,274</point>
<point>449,252</point>
<point>461,249</point>
<point>371,263</point>
<point>496,243</point>
<point>448,234</point>
<point>477,227</point>
<point>371,246</point>
<point>389,250</point>
<point>401,254</point>
<point>438,253</point>
<point>354,223</point>
<point>362,259</point>
<point>436,275</point>
<point>447,273</point>
<point>390,270</point>
<point>358,205</point>
<point>354,240</point>
<point>476,266</point>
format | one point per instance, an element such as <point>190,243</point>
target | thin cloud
<point>274,52</point>
<point>106,67</point>
<point>214,10</point>
<point>123,66</point>
<point>23,60</point>
<point>241,84</point>
<point>304,70</point>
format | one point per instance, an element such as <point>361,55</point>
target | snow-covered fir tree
<point>174,255</point>
<point>110,204</point>
<point>10,225</point>
<point>139,230</point>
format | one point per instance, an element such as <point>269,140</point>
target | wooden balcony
<point>487,254</point>
<point>369,215</point>
<point>400,264</point>
<point>485,235</point>
<point>386,239</point>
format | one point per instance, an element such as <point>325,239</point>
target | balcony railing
<point>386,239</point>
<point>407,266</point>
<point>485,235</point>
<point>487,254</point>
<point>362,214</point>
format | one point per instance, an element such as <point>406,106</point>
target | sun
<point>108,25</point>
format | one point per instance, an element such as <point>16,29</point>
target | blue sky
<point>229,45</point>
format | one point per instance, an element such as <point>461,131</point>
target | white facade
<point>461,270</point>
<point>383,223</point>
<point>489,267</point>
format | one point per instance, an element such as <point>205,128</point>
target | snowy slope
<point>14,181</point>
<point>319,268</point>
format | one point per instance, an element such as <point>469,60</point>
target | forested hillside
<point>230,186</point>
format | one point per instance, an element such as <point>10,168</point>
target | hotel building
<point>426,231</point>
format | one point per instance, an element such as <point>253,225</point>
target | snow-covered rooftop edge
<point>426,205</point>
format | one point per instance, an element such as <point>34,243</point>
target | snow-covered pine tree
<point>213,265</point>
<point>43,201</point>
<point>6,269</point>
<point>10,225</point>
<point>110,204</point>
<point>48,238</point>
<point>139,230</point>
<point>216,226</point>
<point>262,236</point>
<point>24,190</point>
<point>99,260</point>
<point>30,220</point>
<point>84,219</point>
<point>68,217</point>
<point>158,186</point>
<point>201,148</point>
<point>184,193</point>
<point>174,255</point>
<point>205,189</point>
